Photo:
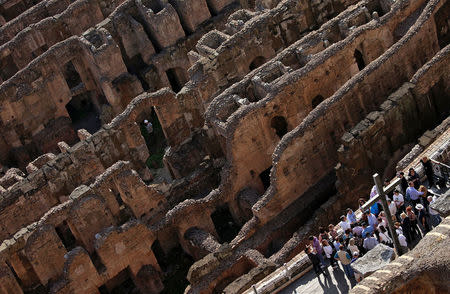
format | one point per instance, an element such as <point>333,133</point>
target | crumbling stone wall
<point>385,131</point>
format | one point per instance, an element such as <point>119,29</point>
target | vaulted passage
<point>224,223</point>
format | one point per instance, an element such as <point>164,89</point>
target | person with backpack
<point>345,259</point>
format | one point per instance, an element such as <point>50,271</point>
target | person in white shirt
<point>399,201</point>
<point>392,207</point>
<point>344,223</point>
<point>329,253</point>
<point>370,242</point>
<point>403,243</point>
<point>384,236</point>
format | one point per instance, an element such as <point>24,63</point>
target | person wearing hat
<point>358,276</point>
<point>422,216</point>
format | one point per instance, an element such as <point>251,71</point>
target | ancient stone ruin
<point>268,119</point>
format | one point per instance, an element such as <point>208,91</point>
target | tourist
<point>314,242</point>
<point>414,177</point>
<point>358,276</point>
<point>148,126</point>
<point>332,231</point>
<point>344,224</point>
<point>428,168</point>
<point>315,261</point>
<point>371,219</point>
<point>434,215</point>
<point>403,243</point>
<point>351,217</point>
<point>323,235</point>
<point>384,237</point>
<point>352,246</point>
<point>337,243</point>
<point>370,242</point>
<point>422,218</point>
<point>345,260</point>
<point>329,253</point>
<point>399,202</point>
<point>357,229</point>
<point>424,196</point>
<point>361,202</point>
<point>403,182</point>
<point>412,194</point>
<point>367,230</point>
<point>406,227</point>
<point>415,231</point>
<point>392,207</point>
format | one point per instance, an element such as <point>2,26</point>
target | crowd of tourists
<point>409,206</point>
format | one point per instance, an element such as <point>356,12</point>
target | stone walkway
<point>336,282</point>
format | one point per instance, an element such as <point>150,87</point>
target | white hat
<point>145,121</point>
<point>419,206</point>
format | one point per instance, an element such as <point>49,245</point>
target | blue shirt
<point>368,230</point>
<point>412,193</point>
<point>372,220</point>
<point>374,208</point>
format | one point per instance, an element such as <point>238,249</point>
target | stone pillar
<point>45,251</point>
<point>8,284</point>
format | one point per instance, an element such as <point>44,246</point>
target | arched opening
<point>224,223</point>
<point>265,178</point>
<point>359,59</point>
<point>280,125</point>
<point>316,101</point>
<point>154,138</point>
<point>84,111</point>
<point>177,78</point>
<point>257,62</point>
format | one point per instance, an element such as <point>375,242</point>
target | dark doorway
<point>122,283</point>
<point>65,234</point>
<point>224,223</point>
<point>359,59</point>
<point>316,101</point>
<point>257,62</point>
<point>177,78</point>
<point>8,67</point>
<point>265,178</point>
<point>155,139</point>
<point>137,67</point>
<point>178,264</point>
<point>159,254</point>
<point>280,125</point>
<point>83,113</point>
<point>71,75</point>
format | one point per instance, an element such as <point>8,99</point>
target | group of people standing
<point>412,215</point>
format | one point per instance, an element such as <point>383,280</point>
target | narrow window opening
<point>265,178</point>
<point>359,59</point>
<point>65,234</point>
<point>224,223</point>
<point>257,62</point>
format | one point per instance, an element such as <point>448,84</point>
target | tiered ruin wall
<point>302,151</point>
<point>414,107</point>
<point>142,56</point>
